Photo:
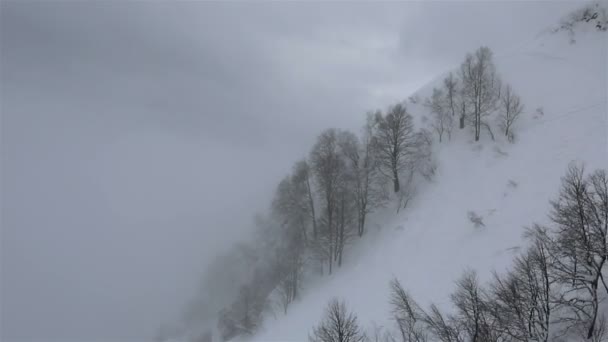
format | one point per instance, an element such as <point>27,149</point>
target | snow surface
<point>429,244</point>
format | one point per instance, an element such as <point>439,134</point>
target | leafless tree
<point>442,121</point>
<point>443,328</point>
<point>245,314</point>
<point>415,324</point>
<point>462,107</point>
<point>481,88</point>
<point>420,161</point>
<point>328,168</point>
<point>407,314</point>
<point>338,325</point>
<point>335,159</point>
<point>395,142</point>
<point>324,246</point>
<point>291,208</point>
<point>302,178</point>
<point>362,162</point>
<point>472,309</point>
<point>290,262</point>
<point>523,300</point>
<point>346,213</point>
<point>290,205</point>
<point>510,110</point>
<point>450,84</point>
<point>579,247</point>
<point>422,156</point>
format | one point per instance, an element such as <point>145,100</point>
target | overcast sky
<point>139,138</point>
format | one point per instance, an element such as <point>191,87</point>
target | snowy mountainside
<point>563,85</point>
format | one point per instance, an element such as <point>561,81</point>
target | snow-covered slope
<point>428,245</point>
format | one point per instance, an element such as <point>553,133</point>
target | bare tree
<point>346,213</point>
<point>302,177</point>
<point>291,209</point>
<point>338,325</point>
<point>394,138</point>
<point>450,84</point>
<point>363,164</point>
<point>580,246</point>
<point>472,309</point>
<point>444,329</point>
<point>407,314</point>
<point>462,107</point>
<point>510,110</point>
<point>522,301</point>
<point>416,325</point>
<point>290,205</point>
<point>481,88</point>
<point>245,314</point>
<point>422,157</point>
<point>289,265</point>
<point>324,246</point>
<point>328,167</point>
<point>442,121</point>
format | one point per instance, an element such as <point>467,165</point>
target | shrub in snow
<point>476,219</point>
<point>414,99</point>
<point>539,113</point>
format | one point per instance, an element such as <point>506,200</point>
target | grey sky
<point>139,138</point>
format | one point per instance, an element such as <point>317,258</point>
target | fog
<point>139,139</point>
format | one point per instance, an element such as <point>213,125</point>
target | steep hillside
<point>562,82</point>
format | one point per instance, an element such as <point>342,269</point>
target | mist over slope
<point>561,77</point>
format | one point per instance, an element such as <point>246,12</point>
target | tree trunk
<point>477,126</point>
<point>312,211</point>
<point>331,251</point>
<point>595,306</point>
<point>331,236</point>
<point>362,224</point>
<point>295,284</point>
<point>395,180</point>
<point>462,114</point>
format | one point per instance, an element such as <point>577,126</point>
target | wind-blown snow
<point>429,244</point>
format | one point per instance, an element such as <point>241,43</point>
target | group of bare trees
<point>552,292</point>
<point>554,288</point>
<point>477,96</point>
<point>323,205</point>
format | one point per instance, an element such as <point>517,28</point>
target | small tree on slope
<point>510,110</point>
<point>480,89</point>
<point>338,325</point>
<point>395,142</point>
